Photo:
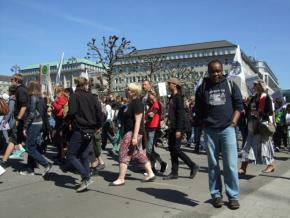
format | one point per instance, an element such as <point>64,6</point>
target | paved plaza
<point>262,195</point>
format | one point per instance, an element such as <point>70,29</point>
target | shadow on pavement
<point>112,176</point>
<point>278,177</point>
<point>169,195</point>
<point>247,177</point>
<point>282,158</point>
<point>61,180</point>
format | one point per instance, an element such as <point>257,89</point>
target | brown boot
<point>243,169</point>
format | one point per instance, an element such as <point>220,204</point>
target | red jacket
<point>154,122</point>
<point>58,105</point>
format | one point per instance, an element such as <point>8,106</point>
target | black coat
<point>85,111</point>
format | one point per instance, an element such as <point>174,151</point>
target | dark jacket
<point>268,109</point>
<point>21,96</point>
<point>216,103</point>
<point>85,111</point>
<point>36,112</point>
<point>176,113</point>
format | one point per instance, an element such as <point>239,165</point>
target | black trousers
<point>176,152</point>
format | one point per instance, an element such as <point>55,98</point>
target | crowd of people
<point>79,125</point>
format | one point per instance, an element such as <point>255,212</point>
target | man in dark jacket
<point>86,116</point>
<point>176,124</point>
<point>218,106</point>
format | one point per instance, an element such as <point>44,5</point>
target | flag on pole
<point>49,85</point>
<point>237,74</point>
<point>57,79</point>
<point>199,82</point>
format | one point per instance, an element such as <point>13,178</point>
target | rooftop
<point>55,63</point>
<point>182,48</point>
<point>5,78</point>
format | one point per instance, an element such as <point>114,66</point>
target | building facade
<point>4,84</point>
<point>71,69</point>
<point>286,94</point>
<point>267,75</point>
<point>187,62</point>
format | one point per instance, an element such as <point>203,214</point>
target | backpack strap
<point>231,85</point>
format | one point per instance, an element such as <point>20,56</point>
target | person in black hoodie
<point>218,106</point>
<point>176,119</point>
<point>85,115</point>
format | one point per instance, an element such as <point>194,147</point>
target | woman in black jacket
<point>176,119</point>
<point>34,124</point>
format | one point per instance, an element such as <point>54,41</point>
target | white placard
<point>162,89</point>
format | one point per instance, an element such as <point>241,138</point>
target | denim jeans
<point>151,154</point>
<point>224,141</point>
<point>78,146</point>
<point>33,142</point>
<point>197,134</point>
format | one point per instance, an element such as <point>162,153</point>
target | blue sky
<point>35,31</point>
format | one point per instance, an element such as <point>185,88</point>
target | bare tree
<point>152,64</point>
<point>72,60</point>
<point>178,70</point>
<point>110,51</point>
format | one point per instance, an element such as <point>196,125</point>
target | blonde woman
<point>258,148</point>
<point>131,144</point>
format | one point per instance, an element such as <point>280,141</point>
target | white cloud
<point>88,23</point>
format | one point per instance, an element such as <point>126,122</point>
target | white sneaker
<point>84,186</point>
<point>26,173</point>
<point>47,169</point>
<point>2,170</point>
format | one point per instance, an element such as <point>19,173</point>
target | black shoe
<point>113,153</point>
<point>63,168</point>
<point>94,171</point>
<point>234,204</point>
<point>193,171</point>
<point>101,166</point>
<point>170,176</point>
<point>217,202</point>
<point>197,149</point>
<point>4,164</point>
<point>163,167</point>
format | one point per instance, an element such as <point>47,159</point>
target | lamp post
<point>15,69</point>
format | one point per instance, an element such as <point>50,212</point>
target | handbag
<point>266,128</point>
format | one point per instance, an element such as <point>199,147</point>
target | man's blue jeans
<point>224,141</point>
<point>78,146</point>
